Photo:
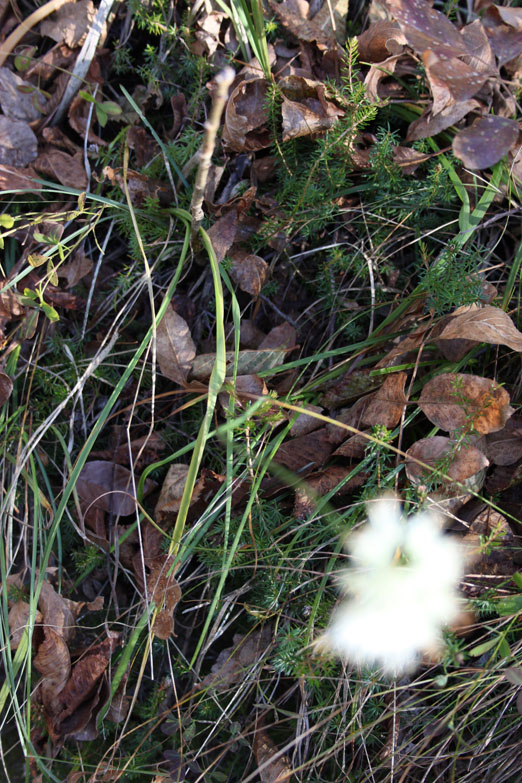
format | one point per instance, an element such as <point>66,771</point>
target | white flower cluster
<point>400,591</point>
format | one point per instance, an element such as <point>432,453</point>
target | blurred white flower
<point>401,590</point>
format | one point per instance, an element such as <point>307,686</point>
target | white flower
<point>402,590</point>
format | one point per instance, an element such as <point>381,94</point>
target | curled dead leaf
<point>245,126</point>
<point>486,324</point>
<point>172,491</point>
<point>458,400</point>
<point>248,271</point>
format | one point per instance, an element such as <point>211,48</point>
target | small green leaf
<point>504,648</point>
<point>51,271</point>
<point>22,61</point>
<point>441,680</point>
<point>111,108</point>
<point>36,259</point>
<point>43,238</point>
<point>517,578</point>
<point>86,96</point>
<point>510,605</point>
<point>6,221</point>
<point>101,115</point>
<point>50,312</point>
<point>26,89</point>
<point>480,649</point>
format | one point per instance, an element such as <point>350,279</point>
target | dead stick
<point>16,36</point>
<point>223,81</point>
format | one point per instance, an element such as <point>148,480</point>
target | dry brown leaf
<point>232,664</point>
<point>18,144</point>
<point>353,447</point>
<point>430,125</point>
<point>451,80</point>
<point>139,452</point>
<point>85,675</point>
<point>16,103</point>
<point>496,558</point>
<point>245,127</point>
<point>68,169</point>
<point>320,484</point>
<point>172,491</point>
<point>386,405</point>
<point>58,612</point>
<point>305,453</point>
<point>206,33</point>
<point>76,268</point>
<point>140,186</point>
<point>303,423</point>
<point>222,234</point>
<point>175,347</point>
<point>426,28</point>
<point>380,41</point>
<point>246,386</point>
<point>109,487</point>
<point>352,384</point>
<point>282,336</point>
<point>70,23</point>
<point>18,618</point>
<point>271,770</point>
<point>57,59</point>
<point>336,28</point>
<point>53,661</point>
<point>165,592</point>
<point>6,387</point>
<point>485,142</point>
<point>294,16</point>
<point>300,119</point>
<point>466,462</point>
<point>248,362</point>
<point>480,56</point>
<point>505,446</point>
<point>485,324</point>
<point>12,178</point>
<point>248,271</point>
<point>458,400</point>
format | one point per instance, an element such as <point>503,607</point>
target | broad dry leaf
<point>109,487</point>
<point>172,491</point>
<point>486,324</point>
<point>139,452</point>
<point>352,384</point>
<point>426,28</point>
<point>53,661</point>
<point>245,387</point>
<point>282,336</point>
<point>6,387</point>
<point>85,675</point>
<point>175,347</point>
<point>451,80</point>
<point>496,558</point>
<point>304,424</point>
<point>18,144</point>
<point>16,104</point>
<point>248,271</point>
<point>320,484</point>
<point>245,127</point>
<point>165,592</point>
<point>386,405</point>
<point>485,142</point>
<point>232,664</point>
<point>305,453</point>
<point>222,234</point>
<point>58,612</point>
<point>293,14</point>
<point>67,169</point>
<point>458,400</point>
<point>431,124</point>
<point>466,461</point>
<point>304,119</point>
<point>248,363</point>
<point>480,56</point>
<point>353,447</point>
<point>76,268</point>
<point>505,446</point>
<point>13,178</point>
<point>70,23</point>
<point>18,618</point>
<point>273,768</point>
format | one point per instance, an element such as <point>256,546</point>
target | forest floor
<point>261,267</point>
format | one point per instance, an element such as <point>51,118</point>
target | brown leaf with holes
<point>485,142</point>
<point>272,768</point>
<point>505,446</point>
<point>165,592</point>
<point>175,347</point>
<point>248,271</point>
<point>458,400</point>
<point>426,28</point>
<point>245,127</point>
<point>386,405</point>
<point>486,324</point>
<point>465,463</point>
<point>109,487</point>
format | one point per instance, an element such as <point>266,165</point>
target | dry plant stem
<point>223,81</point>
<point>16,36</point>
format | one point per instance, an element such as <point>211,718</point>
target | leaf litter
<point>304,289</point>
